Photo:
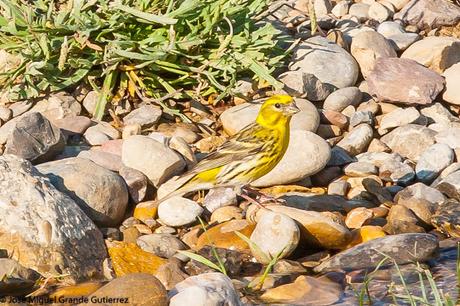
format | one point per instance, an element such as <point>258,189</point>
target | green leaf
<point>201,259</point>
<point>145,16</point>
<point>254,247</point>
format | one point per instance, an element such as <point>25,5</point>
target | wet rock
<point>305,290</point>
<point>154,159</point>
<point>163,245</point>
<point>403,248</point>
<point>100,133</point>
<point>178,211</point>
<point>276,235</point>
<point>429,14</point>
<point>238,117</point>
<point>43,228</point>
<point>306,154</point>
<point>410,140</point>
<point>35,138</point>
<point>145,116</point>
<point>327,61</point>
<point>219,197</point>
<point>100,193</point>
<point>357,140</point>
<point>435,52</point>
<point>398,80</point>
<point>137,289</point>
<point>452,76</point>
<point>435,159</point>
<point>211,289</point>
<point>340,99</point>
<point>367,47</point>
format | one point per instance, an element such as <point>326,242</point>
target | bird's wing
<point>242,145</point>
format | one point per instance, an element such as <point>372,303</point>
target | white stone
<point>452,92</point>
<point>340,99</point>
<point>435,159</point>
<point>178,211</point>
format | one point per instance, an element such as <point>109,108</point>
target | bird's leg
<point>261,197</point>
<point>251,200</point>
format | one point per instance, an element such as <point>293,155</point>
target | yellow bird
<point>247,155</point>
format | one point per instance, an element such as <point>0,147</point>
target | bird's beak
<point>292,109</point>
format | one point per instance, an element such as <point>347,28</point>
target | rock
<point>43,228</point>
<point>163,245</point>
<point>397,118</point>
<point>128,258</point>
<point>396,172</point>
<point>57,106</point>
<point>419,191</point>
<point>276,235</point>
<point>450,137</point>
<point>377,145</point>
<point>366,233</point>
<point>338,100</point>
<point>341,8</point>
<point>100,133</point>
<point>452,76</point>
<point>146,210</point>
<point>338,188</point>
<point>450,185</point>
<point>226,213</point>
<point>326,60</point>
<point>219,197</point>
<point>361,117</point>
<point>317,229</point>
<point>223,235</point>
<point>360,169</point>
<point>360,11</point>
<point>136,182</point>
<point>447,218</point>
<point>357,140</point>
<point>182,147</point>
<point>379,12</point>
<point>130,130</point>
<point>398,80</point>
<point>178,211</point>
<point>186,131</point>
<point>35,138</point>
<point>99,192</point>
<point>301,84</point>
<point>435,159</point>
<point>73,125</point>
<point>339,157</point>
<point>238,117</point>
<point>16,279</point>
<point>435,52</point>
<point>378,158</point>
<point>328,131</point>
<point>145,116</point>
<point>107,160</point>
<point>136,289</point>
<point>5,113</point>
<point>403,248</point>
<point>154,159</point>
<point>398,4</point>
<point>450,169</point>
<point>429,14</point>
<point>322,7</point>
<point>410,140</point>
<point>170,274</point>
<point>402,220</point>
<point>210,289</point>
<point>78,292</point>
<point>305,290</point>
<point>90,101</point>
<point>306,154</point>
<point>334,118</point>
<point>359,216</point>
<point>369,46</point>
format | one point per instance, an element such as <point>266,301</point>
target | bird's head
<point>277,109</point>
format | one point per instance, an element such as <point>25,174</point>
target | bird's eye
<point>277,105</point>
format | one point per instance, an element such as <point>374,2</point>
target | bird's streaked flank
<point>247,155</point>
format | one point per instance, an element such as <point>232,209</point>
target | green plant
<point>137,48</point>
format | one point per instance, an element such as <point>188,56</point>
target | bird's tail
<point>188,184</point>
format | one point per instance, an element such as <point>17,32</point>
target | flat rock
<point>238,117</point>
<point>107,160</point>
<point>341,98</point>
<point>452,92</point>
<point>398,80</point>
<point>154,159</point>
<point>367,47</point>
<point>403,248</point>
<point>435,52</point>
<point>211,289</point>
<point>35,138</point>
<point>429,14</point>
<point>435,159</point>
<point>178,211</point>
<point>357,140</point>
<point>43,228</point>
<point>360,169</point>
<point>378,158</point>
<point>298,83</point>
<point>145,116</point>
<point>306,154</point>
<point>163,245</point>
<point>99,192</point>
<point>397,118</point>
<point>326,60</point>
<point>410,140</point>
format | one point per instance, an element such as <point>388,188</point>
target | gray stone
<point>107,160</point>
<point>58,106</point>
<point>379,12</point>
<point>326,60</point>
<point>378,158</point>
<point>410,140</point>
<point>429,14</point>
<point>435,159</point>
<point>340,99</point>
<point>163,245</point>
<point>301,84</point>
<point>450,185</point>
<point>396,172</point>
<point>357,140</point>
<point>35,138</point>
<point>145,116</point>
<point>99,192</point>
<point>438,113</point>
<point>43,228</point>
<point>219,197</point>
<point>136,182</point>
<point>360,11</point>
<point>398,80</point>
<point>403,248</point>
<point>339,157</point>
<point>100,133</point>
<point>178,211</point>
<point>450,137</point>
<point>361,117</point>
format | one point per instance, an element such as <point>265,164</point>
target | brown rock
<point>223,235</point>
<point>398,80</point>
<point>429,14</point>
<point>359,216</point>
<point>402,220</point>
